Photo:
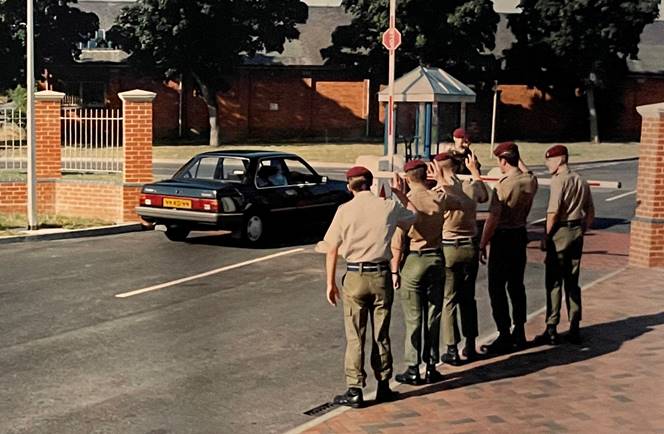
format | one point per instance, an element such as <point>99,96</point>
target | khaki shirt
<point>462,223</point>
<point>426,233</point>
<point>363,228</point>
<point>570,197</point>
<point>512,199</point>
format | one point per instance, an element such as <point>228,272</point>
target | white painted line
<point>537,221</point>
<point>620,196</point>
<point>207,273</point>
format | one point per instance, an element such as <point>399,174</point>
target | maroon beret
<point>357,171</point>
<point>504,148</point>
<point>414,164</point>
<point>443,156</point>
<point>556,151</point>
<point>459,133</point>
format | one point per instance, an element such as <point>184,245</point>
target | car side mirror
<point>323,179</point>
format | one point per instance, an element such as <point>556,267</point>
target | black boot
<point>519,337</point>
<point>549,337</point>
<point>384,393</point>
<point>432,375</point>
<point>352,398</point>
<point>410,376</point>
<point>451,357</point>
<point>574,335</point>
<point>469,351</point>
<point>502,345</point>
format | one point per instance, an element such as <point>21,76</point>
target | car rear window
<point>213,168</point>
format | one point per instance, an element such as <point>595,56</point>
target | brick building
<point>293,94</point>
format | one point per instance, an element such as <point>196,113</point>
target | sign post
<point>30,84</point>
<point>391,41</point>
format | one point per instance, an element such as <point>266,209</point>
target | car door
<point>281,199</point>
<point>316,202</point>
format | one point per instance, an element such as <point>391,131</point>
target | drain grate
<point>321,409</point>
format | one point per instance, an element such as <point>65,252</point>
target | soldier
<point>362,231</point>
<point>460,151</point>
<point>421,276</point>
<point>569,215</point>
<point>505,229</point>
<point>460,248</point>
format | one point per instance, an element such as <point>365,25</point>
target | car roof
<point>247,153</point>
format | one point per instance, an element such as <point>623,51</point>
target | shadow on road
<point>281,237</point>
<point>599,339</point>
<point>605,223</point>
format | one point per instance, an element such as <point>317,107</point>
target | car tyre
<point>176,233</point>
<point>254,230</point>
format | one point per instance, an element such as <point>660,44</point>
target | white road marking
<point>537,221</point>
<point>207,273</point>
<point>620,196</point>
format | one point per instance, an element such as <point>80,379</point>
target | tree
<point>577,45</point>
<point>455,35</point>
<point>59,28</point>
<point>205,40</point>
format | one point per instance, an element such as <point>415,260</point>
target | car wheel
<point>253,231</point>
<point>176,233</point>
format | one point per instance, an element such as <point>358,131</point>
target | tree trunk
<point>210,97</point>
<point>592,114</point>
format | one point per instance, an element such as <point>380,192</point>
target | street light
<point>30,72</point>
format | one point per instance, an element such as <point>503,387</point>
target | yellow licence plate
<point>176,203</point>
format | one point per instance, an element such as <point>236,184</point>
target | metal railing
<point>13,140</point>
<point>91,140</point>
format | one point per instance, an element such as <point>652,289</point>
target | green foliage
<point>204,39</point>
<point>19,96</point>
<point>456,35</point>
<point>561,43</point>
<point>59,27</point>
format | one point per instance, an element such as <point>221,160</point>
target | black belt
<point>570,223</point>
<point>367,266</point>
<point>458,242</point>
<point>425,252</point>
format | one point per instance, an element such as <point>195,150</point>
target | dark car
<point>251,192</point>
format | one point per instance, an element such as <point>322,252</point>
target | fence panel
<point>91,140</point>
<point>13,140</point>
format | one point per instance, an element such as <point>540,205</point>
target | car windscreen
<point>215,168</point>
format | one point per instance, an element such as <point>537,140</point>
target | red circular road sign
<point>392,38</point>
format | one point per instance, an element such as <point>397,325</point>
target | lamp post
<point>30,72</point>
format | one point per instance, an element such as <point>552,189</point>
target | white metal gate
<point>13,140</point>
<point>91,140</point>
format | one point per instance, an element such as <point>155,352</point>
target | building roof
<point>326,15</point>
<point>424,84</point>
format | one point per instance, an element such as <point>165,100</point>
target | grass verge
<point>12,224</point>
<point>532,152</point>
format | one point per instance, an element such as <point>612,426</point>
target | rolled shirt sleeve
<point>333,236</point>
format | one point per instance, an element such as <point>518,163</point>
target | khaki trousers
<point>367,296</point>
<point>562,266</point>
<point>461,266</point>
<point>421,296</point>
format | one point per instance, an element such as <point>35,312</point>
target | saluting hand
<point>471,164</point>
<point>433,168</point>
<point>332,294</point>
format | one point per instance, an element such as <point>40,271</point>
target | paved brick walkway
<point>613,383</point>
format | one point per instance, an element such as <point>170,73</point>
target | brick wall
<point>89,199</point>
<point>13,197</point>
<point>647,230</point>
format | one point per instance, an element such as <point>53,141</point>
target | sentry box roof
<point>424,84</point>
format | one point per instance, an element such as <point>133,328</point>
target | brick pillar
<point>47,148</point>
<point>137,147</point>
<point>647,232</point>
